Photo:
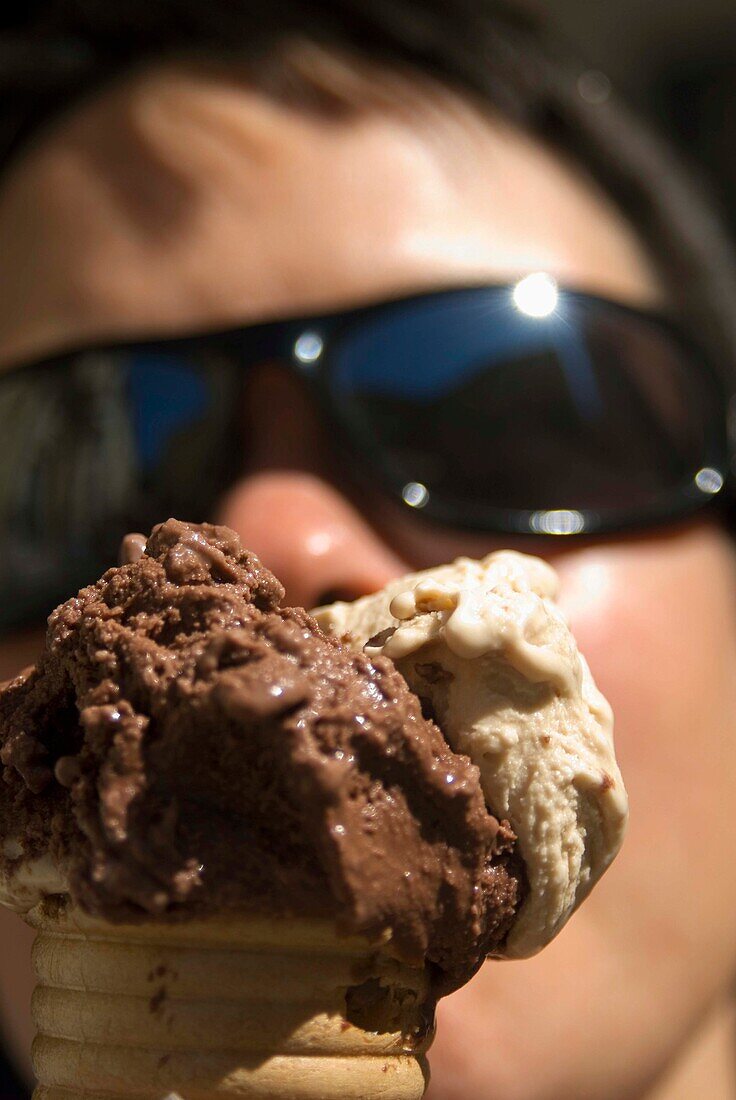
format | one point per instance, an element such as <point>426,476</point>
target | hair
<point>54,52</point>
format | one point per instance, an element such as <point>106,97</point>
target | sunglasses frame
<point>320,336</point>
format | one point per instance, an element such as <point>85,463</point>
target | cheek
<point>657,623</point>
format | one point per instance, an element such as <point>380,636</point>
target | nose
<point>310,536</point>
<point>287,510</point>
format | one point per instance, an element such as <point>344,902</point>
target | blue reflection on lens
<point>424,350</point>
<point>166,395</point>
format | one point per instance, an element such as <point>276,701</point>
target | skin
<point>181,201</point>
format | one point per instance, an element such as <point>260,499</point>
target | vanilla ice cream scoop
<point>485,646</point>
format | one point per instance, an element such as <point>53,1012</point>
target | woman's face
<point>182,202</point>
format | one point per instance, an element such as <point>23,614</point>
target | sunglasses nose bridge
<point>283,417</point>
<point>296,347</point>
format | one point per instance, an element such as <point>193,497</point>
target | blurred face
<point>181,202</point>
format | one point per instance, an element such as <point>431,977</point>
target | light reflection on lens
<point>709,480</point>
<point>536,295</point>
<point>308,347</point>
<point>559,521</point>
<point>594,87</point>
<point>415,494</point>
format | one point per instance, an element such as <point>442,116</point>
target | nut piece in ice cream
<point>487,649</point>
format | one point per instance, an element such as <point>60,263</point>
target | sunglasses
<point>523,409</point>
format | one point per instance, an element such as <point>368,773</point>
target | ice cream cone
<point>231,1005</point>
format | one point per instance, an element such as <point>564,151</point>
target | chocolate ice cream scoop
<point>186,745</point>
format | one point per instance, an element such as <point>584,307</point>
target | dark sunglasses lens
<point>99,444</point>
<point>473,406</point>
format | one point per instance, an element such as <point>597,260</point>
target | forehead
<point>185,199</point>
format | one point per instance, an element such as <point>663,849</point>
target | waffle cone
<point>225,1006</point>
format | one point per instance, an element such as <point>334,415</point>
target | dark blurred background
<point>676,59</point>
